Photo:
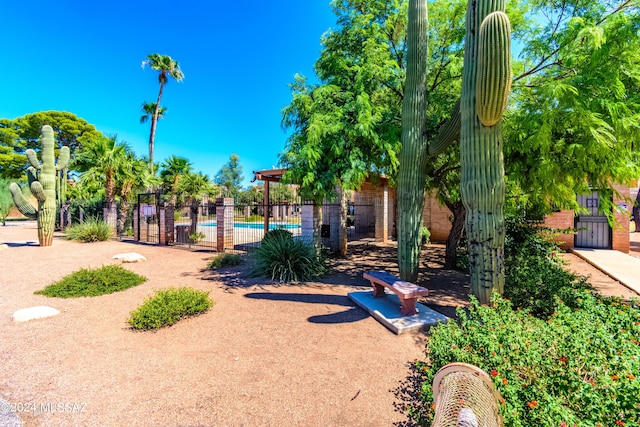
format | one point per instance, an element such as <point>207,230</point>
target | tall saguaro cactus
<point>413,156</point>
<point>42,182</point>
<point>486,83</point>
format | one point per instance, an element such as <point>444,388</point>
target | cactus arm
<point>63,158</point>
<point>32,175</point>
<point>448,133</point>
<point>493,79</point>
<point>21,203</point>
<point>38,191</point>
<point>33,159</point>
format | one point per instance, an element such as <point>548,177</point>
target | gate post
<point>382,215</point>
<point>162,225</point>
<point>167,222</point>
<point>224,224</point>
<point>136,222</point>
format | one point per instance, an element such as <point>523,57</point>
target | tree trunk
<point>342,236</point>
<point>194,216</point>
<point>453,240</point>
<point>636,212</point>
<point>317,224</point>
<point>122,215</point>
<point>413,155</point>
<point>154,122</point>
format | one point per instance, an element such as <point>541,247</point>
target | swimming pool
<point>255,225</point>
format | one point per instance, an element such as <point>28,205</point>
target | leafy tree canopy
<point>574,115</point>
<point>18,135</point>
<point>230,176</point>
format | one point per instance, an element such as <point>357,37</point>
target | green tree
<point>230,176</point>
<point>132,177</point>
<point>346,128</point>
<point>148,108</point>
<point>281,193</point>
<point>101,161</point>
<point>172,169</point>
<point>12,148</point>
<point>252,195</point>
<point>574,124</point>
<point>166,67</point>
<point>16,136</point>
<point>6,201</point>
<point>193,187</point>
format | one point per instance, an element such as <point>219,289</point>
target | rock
<point>8,418</point>
<point>130,257</point>
<point>31,313</point>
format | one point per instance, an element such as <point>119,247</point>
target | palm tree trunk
<point>122,215</point>
<point>154,121</point>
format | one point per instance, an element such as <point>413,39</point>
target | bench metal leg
<point>409,306</point>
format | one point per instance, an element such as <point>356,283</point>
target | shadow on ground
<point>407,395</point>
<point>448,289</point>
<point>352,314</point>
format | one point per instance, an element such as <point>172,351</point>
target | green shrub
<point>93,282</point>
<point>225,260</point>
<point>92,230</point>
<point>580,367</point>
<point>283,258</point>
<point>255,218</point>
<point>534,272</point>
<point>197,236</point>
<point>168,306</point>
<point>425,235</point>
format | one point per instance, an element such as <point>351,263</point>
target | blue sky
<point>238,58</point>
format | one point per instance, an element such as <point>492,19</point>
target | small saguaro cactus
<point>42,182</point>
<point>486,83</point>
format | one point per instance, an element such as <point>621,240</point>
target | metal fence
<point>196,226</point>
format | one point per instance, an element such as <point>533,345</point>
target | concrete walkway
<point>620,266</point>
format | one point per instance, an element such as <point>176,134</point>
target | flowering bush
<point>578,368</point>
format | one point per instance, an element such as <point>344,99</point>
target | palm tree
<point>131,176</point>
<point>173,169</point>
<point>148,108</point>
<point>99,160</point>
<point>194,186</point>
<point>112,165</point>
<point>166,67</point>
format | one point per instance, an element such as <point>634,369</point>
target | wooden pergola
<point>268,176</point>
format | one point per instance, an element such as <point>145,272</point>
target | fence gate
<point>593,227</point>
<point>149,220</point>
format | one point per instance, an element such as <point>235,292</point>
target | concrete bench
<point>408,293</point>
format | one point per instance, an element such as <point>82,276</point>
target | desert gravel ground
<point>265,355</point>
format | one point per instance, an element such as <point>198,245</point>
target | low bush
<point>93,282</point>
<point>225,260</point>
<point>425,235</point>
<point>579,367</point>
<point>168,306</point>
<point>283,258</point>
<point>91,230</point>
<point>534,272</point>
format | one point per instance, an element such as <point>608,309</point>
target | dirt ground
<point>265,355</point>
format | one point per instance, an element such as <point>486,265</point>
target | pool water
<point>256,225</point>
